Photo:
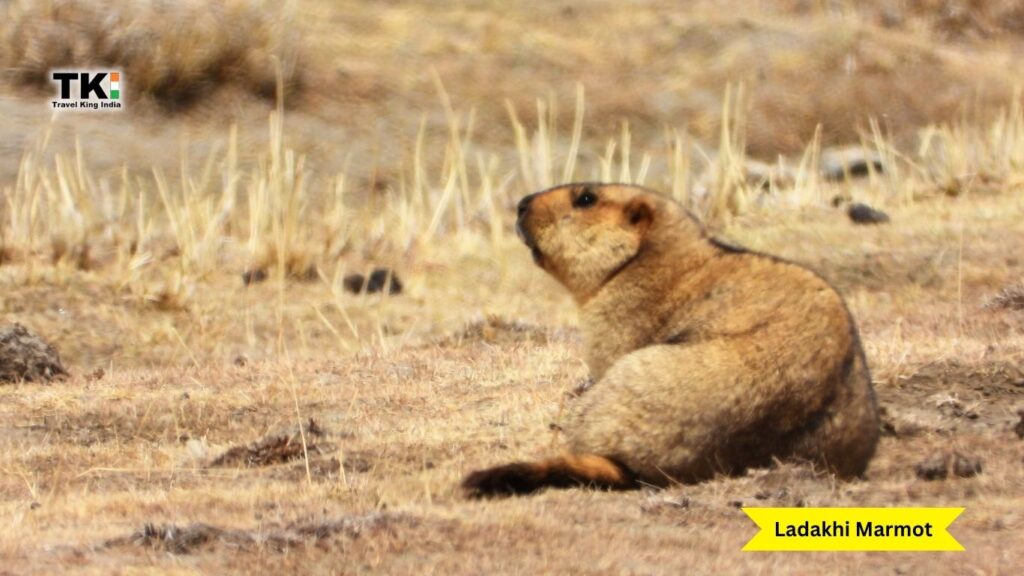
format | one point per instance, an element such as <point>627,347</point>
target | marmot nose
<point>524,205</point>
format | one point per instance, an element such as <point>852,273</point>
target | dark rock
<point>864,214</point>
<point>254,276</point>
<point>354,283</point>
<point>26,357</point>
<point>380,279</point>
<point>1019,428</point>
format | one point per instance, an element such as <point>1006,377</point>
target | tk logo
<point>95,90</point>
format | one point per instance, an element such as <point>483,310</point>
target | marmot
<point>705,358</point>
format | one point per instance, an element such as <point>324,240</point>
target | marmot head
<point>585,234</point>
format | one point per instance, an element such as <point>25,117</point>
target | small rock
<point>26,357</point>
<point>942,465</point>
<point>354,283</point>
<point>1019,428</point>
<point>254,276</point>
<point>849,161</point>
<point>379,280</point>
<point>864,214</point>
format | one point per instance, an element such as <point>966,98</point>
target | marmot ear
<point>639,212</point>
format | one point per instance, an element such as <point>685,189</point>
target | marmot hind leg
<point>687,412</point>
<point>845,440</point>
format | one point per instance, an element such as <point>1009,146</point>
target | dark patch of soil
<point>950,397</point>
<point>273,449</point>
<point>784,484</point>
<point>25,357</point>
<point>195,537</point>
<point>989,379</point>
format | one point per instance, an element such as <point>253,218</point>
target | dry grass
<point>805,64</point>
<point>214,425</point>
<point>90,465</point>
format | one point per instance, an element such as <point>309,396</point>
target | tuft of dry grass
<point>175,53</point>
<point>159,239</point>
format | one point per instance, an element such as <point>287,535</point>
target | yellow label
<point>853,529</point>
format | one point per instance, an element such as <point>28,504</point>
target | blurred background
<point>360,77</point>
<point>302,140</point>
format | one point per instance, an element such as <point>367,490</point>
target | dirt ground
<point>214,425</point>
<point>108,471</point>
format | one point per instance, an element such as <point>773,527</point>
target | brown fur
<point>706,358</point>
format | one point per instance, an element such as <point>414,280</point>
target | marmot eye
<point>585,199</point>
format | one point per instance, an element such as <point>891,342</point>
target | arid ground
<point>233,407</point>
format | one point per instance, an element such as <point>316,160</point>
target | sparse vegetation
<point>193,271</point>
